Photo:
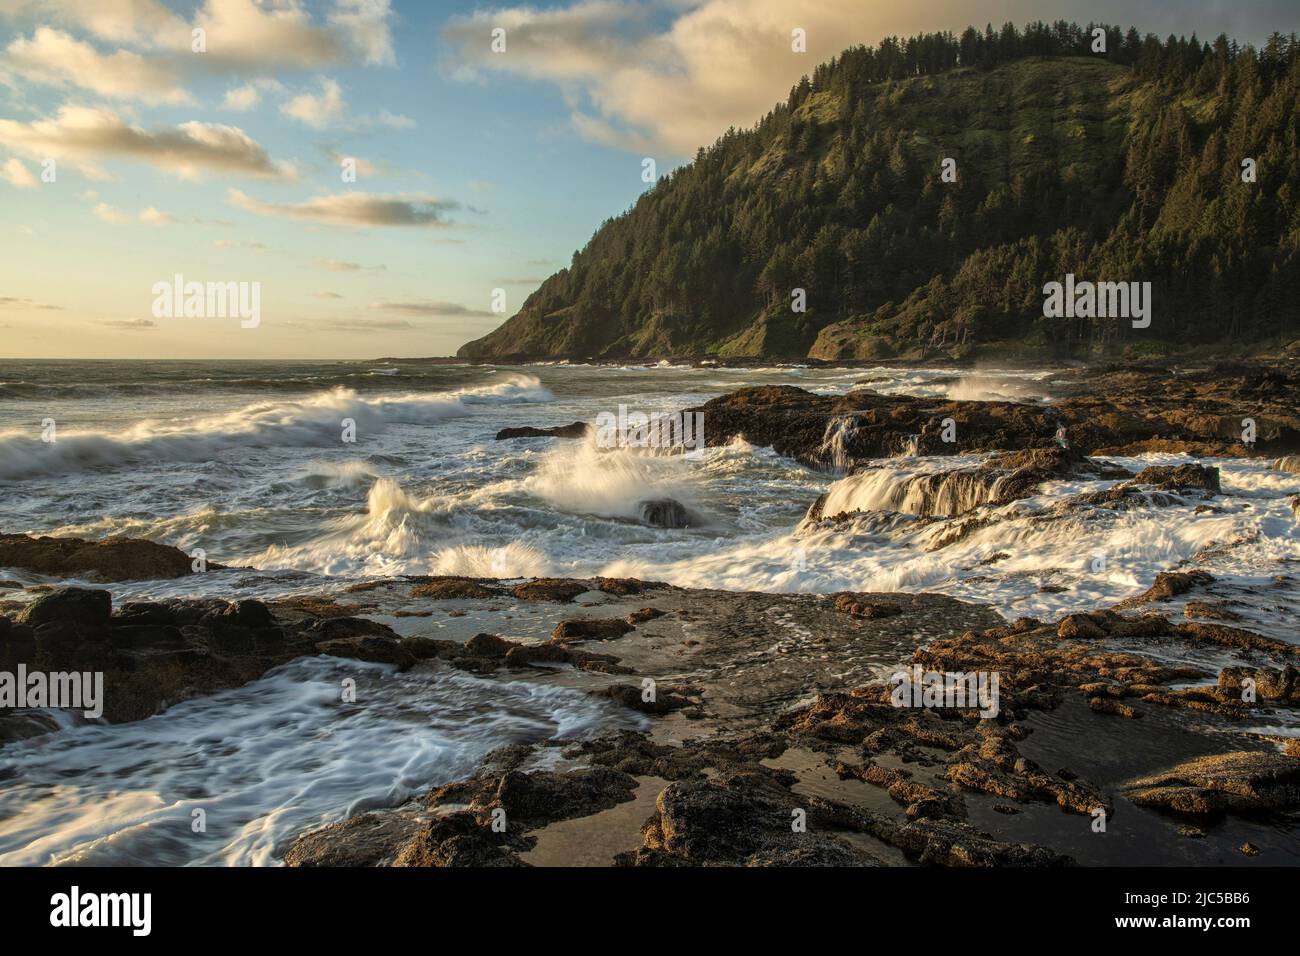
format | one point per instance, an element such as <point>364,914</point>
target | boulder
<point>81,606</point>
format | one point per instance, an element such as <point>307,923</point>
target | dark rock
<point>146,635</point>
<point>245,613</point>
<point>444,589</point>
<point>113,559</point>
<point>541,797</point>
<point>488,645</point>
<point>81,606</point>
<point>365,840</point>
<point>1241,782</point>
<point>371,647</point>
<point>1179,477</point>
<point>576,430</point>
<point>460,839</point>
<point>740,821</point>
<point>590,629</point>
<point>143,612</point>
<point>549,589</point>
<point>667,513</point>
<point>1169,584</point>
<point>855,606</point>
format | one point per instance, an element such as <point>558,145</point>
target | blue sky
<point>477,170</point>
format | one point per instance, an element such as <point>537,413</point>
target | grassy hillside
<point>1124,168</point>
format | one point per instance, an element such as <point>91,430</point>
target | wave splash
<point>316,421</point>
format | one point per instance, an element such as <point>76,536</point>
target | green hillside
<point>1116,167</point>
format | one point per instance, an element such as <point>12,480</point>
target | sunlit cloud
<point>432,309</point>
<point>85,136</point>
<point>355,209</point>
<point>54,58</point>
<point>317,110</point>
<point>16,174</point>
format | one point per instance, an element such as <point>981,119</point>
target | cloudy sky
<point>475,170</point>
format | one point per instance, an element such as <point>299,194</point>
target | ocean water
<point>247,461</point>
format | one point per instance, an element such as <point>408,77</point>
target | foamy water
<point>258,764</point>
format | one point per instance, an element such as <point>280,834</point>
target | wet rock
<point>489,645</point>
<point>953,843</point>
<point>1104,411</point>
<point>451,588</point>
<point>1240,782</point>
<point>1217,611</point>
<point>460,839</point>
<point>663,701</point>
<point>113,559</point>
<point>246,613</point>
<point>365,840</point>
<point>1180,477</point>
<point>1075,626</point>
<point>852,605</point>
<point>541,797</point>
<point>844,430</point>
<point>16,725</point>
<point>590,629</point>
<point>667,513</point>
<point>1288,463</point>
<point>146,635</point>
<point>1170,584</point>
<point>623,587</point>
<point>1108,705</point>
<point>549,589</point>
<point>1226,636</point>
<point>1269,683</point>
<point>576,430</point>
<point>642,615</point>
<point>369,647</point>
<point>81,606</point>
<point>739,821</point>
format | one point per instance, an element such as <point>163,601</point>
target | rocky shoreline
<point>1157,731</point>
<point>774,739</point>
<point>1100,411</point>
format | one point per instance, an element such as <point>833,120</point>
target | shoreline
<point>767,706</point>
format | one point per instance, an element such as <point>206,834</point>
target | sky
<point>374,176</point>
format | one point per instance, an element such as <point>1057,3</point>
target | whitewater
<point>249,462</point>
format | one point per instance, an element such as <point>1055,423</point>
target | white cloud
<point>355,209</point>
<point>317,111</point>
<point>647,84</point>
<point>156,217</point>
<point>111,214</point>
<point>241,98</point>
<point>83,136</point>
<point>395,120</point>
<point>240,34</point>
<point>54,58</point>
<point>365,22</point>
<point>16,174</point>
<point>138,23</point>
